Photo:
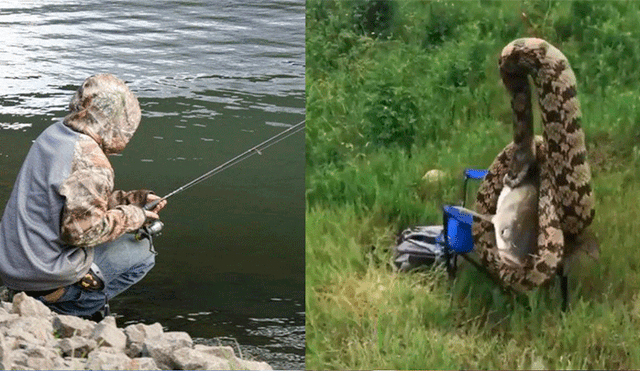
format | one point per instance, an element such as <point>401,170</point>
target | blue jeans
<point>122,262</point>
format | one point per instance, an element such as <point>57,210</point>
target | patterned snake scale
<point>565,204</point>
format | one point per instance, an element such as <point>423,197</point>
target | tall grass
<point>397,88</point>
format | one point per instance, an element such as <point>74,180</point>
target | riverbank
<point>32,337</point>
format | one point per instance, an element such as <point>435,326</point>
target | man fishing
<point>65,236</point>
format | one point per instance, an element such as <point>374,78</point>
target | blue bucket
<point>458,224</point>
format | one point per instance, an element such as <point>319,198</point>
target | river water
<point>214,78</point>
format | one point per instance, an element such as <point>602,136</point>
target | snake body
<point>565,202</point>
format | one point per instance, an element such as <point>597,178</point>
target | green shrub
<point>444,20</point>
<point>373,17</point>
<point>392,116</point>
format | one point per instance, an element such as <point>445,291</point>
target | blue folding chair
<point>426,245</point>
<point>458,239</point>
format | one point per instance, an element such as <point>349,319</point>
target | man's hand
<point>150,215</point>
<point>154,212</point>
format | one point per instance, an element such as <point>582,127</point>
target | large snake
<point>565,203</point>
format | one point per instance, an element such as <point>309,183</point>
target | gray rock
<point>252,365</point>
<point>162,348</point>
<point>25,305</point>
<point>106,334</point>
<point>19,361</point>
<point>178,339</point>
<point>137,334</point>
<point>191,359</point>
<point>8,317</point>
<point>67,326</point>
<point>36,357</point>
<point>109,350</point>
<point>73,364</point>
<point>225,352</point>
<point>35,330</point>
<point>76,346</point>
<point>59,364</point>
<point>5,353</point>
<point>143,363</point>
<point>134,350</point>
<point>11,342</point>
<point>134,334</point>
<point>27,341</point>
<point>21,335</point>
<point>100,360</point>
<point>109,320</point>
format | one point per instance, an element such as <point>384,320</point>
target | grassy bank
<point>395,89</point>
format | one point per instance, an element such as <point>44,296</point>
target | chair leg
<point>449,256</point>
<point>454,264</point>
<point>451,263</point>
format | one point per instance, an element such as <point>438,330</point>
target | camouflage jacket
<point>63,202</point>
<point>106,114</point>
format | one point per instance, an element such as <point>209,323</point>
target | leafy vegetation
<point>397,88</point>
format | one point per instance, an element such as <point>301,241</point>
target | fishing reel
<point>150,230</point>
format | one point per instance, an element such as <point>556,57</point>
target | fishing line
<point>239,158</point>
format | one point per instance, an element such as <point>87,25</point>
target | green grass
<point>414,87</point>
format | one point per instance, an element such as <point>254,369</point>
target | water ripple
<point>237,46</point>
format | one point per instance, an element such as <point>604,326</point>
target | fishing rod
<point>156,226</point>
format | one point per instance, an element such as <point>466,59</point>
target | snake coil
<point>565,204</point>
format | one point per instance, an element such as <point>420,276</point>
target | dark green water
<point>214,78</point>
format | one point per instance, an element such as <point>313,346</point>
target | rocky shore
<point>32,337</point>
